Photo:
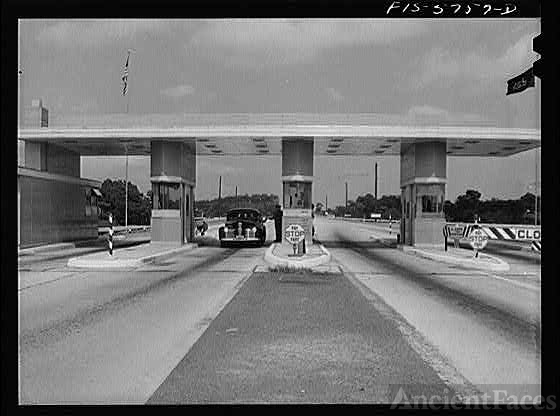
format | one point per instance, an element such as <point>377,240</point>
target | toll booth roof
<point>261,134</point>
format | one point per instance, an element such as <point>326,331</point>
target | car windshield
<point>243,215</point>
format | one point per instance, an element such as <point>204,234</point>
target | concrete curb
<point>46,248</point>
<point>270,258</point>
<point>501,265</point>
<point>82,262</point>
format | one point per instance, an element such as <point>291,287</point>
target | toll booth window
<point>87,202</point>
<point>297,195</point>
<point>432,203</point>
<point>166,195</point>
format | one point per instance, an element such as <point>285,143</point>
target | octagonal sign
<point>294,233</point>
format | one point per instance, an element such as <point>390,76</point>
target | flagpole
<point>126,151</point>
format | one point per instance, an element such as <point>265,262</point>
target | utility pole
<point>346,199</point>
<point>326,203</point>
<point>536,184</point>
<point>236,204</point>
<point>220,196</point>
<point>375,180</point>
<point>126,191</point>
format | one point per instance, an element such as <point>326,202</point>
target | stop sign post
<point>294,234</point>
<point>478,240</point>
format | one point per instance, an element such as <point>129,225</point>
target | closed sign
<point>527,234</point>
<point>294,233</point>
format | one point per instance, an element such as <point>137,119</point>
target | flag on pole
<point>521,82</point>
<point>125,75</point>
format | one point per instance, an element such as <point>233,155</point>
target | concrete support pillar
<point>173,177</point>
<point>297,181</point>
<point>423,179</point>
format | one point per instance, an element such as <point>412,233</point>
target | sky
<point>451,69</point>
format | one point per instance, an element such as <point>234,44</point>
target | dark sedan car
<point>243,225</point>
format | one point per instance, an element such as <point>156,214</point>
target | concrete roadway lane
<point>292,338</point>
<point>392,320</point>
<point>113,336</point>
<point>485,325</point>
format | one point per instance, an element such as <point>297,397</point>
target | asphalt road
<point>486,325</point>
<point>202,327</point>
<point>289,338</point>
<point>111,337</point>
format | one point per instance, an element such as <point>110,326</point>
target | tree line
<point>464,209</point>
<point>113,201</point>
<point>140,205</point>
<point>510,211</point>
<point>217,207</point>
<point>365,205</point>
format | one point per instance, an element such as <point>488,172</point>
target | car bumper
<point>239,239</point>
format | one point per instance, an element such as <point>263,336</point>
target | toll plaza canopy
<point>173,143</point>
<point>261,134</point>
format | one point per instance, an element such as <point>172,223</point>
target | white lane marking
<point>513,282</point>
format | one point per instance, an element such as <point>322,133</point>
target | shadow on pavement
<point>514,253</point>
<point>507,320</point>
<point>207,241</point>
<point>378,244</point>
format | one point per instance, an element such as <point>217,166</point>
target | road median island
<point>282,255</point>
<point>459,256</point>
<point>129,257</point>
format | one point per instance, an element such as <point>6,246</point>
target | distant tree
<point>467,206</point>
<point>139,207</point>
<point>265,203</point>
<point>494,210</point>
<point>450,211</point>
<point>339,211</point>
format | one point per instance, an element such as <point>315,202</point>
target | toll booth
<point>423,179</point>
<point>297,185</point>
<point>173,174</point>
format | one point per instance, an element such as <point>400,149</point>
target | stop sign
<point>478,239</point>
<point>294,233</point>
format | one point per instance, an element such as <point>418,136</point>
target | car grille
<point>234,233</point>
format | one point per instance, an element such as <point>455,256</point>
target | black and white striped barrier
<point>528,233</point>
<point>110,234</point>
<point>514,233</point>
